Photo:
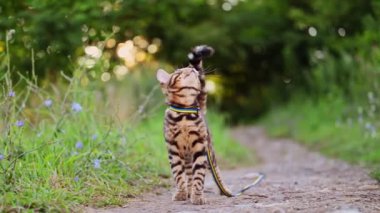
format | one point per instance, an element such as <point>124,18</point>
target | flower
<point>48,102</point>
<point>96,164</point>
<point>1,156</point>
<point>19,123</point>
<point>369,126</point>
<point>79,145</point>
<point>76,178</point>
<point>76,107</point>
<point>12,93</point>
<point>94,137</point>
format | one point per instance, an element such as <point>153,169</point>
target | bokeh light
<point>120,71</point>
<point>226,6</point>
<point>110,43</point>
<point>152,48</point>
<point>312,31</point>
<point>137,50</point>
<point>106,76</point>
<point>93,51</point>
<point>342,32</point>
<point>210,86</point>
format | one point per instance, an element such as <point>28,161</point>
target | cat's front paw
<point>180,196</point>
<point>198,199</point>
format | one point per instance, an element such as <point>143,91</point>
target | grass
<point>329,126</point>
<point>73,145</point>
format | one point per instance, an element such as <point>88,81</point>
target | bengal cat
<point>186,133</point>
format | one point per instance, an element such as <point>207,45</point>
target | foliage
<point>339,113</point>
<point>264,49</point>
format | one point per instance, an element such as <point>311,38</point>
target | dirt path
<point>297,181</point>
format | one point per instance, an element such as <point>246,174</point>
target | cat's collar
<point>184,110</point>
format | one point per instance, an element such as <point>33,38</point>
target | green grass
<point>61,159</point>
<point>328,126</point>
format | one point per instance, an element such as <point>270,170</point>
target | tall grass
<point>80,141</point>
<point>323,126</point>
<point>340,114</point>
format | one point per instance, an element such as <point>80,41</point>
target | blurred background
<point>266,51</point>
<point>303,69</point>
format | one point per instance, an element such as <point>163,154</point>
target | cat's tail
<point>197,54</point>
<point>224,190</point>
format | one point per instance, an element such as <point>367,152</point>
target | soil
<point>297,180</point>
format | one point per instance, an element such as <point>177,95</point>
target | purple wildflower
<point>79,145</point>
<point>12,93</point>
<point>19,123</point>
<point>96,164</point>
<point>48,102</point>
<point>76,107</point>
<point>369,126</point>
<point>94,137</point>
<point>76,178</point>
<point>1,157</point>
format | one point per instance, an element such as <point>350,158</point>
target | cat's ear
<point>162,76</point>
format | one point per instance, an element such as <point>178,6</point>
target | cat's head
<point>182,87</point>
